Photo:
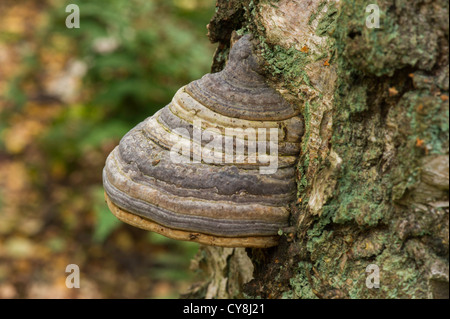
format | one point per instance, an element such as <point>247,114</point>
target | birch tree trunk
<point>373,174</point>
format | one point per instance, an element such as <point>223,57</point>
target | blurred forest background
<point>67,96</point>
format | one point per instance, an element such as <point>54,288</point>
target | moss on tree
<point>390,125</point>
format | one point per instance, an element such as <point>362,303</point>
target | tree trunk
<point>373,174</point>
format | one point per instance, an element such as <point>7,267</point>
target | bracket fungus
<point>216,165</point>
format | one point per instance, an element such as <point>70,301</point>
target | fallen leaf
<point>419,142</point>
<point>393,91</point>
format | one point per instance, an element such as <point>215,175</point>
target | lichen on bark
<point>373,172</point>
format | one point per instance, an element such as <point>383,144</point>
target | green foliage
<point>105,221</point>
<point>137,54</point>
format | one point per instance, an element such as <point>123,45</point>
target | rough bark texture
<point>373,175</point>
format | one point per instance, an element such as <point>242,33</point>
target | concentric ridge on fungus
<point>225,204</point>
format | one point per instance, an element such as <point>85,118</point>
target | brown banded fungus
<point>172,173</point>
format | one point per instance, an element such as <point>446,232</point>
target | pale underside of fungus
<point>151,182</point>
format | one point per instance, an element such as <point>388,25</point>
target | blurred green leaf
<point>99,134</point>
<point>106,222</point>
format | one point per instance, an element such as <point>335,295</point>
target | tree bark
<point>373,174</point>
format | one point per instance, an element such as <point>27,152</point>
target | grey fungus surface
<point>211,201</point>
